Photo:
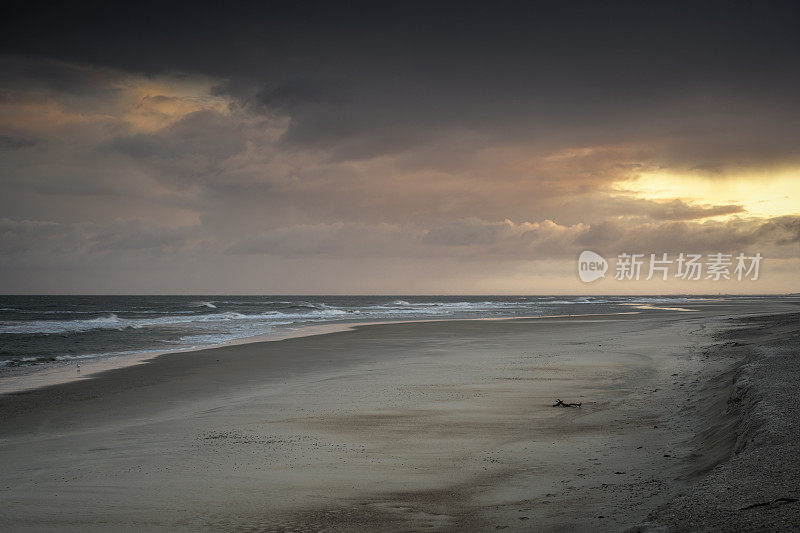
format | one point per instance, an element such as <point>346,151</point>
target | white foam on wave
<point>113,321</point>
<point>660,300</point>
<point>297,311</point>
<point>181,323</point>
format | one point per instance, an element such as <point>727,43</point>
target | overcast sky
<point>414,148</point>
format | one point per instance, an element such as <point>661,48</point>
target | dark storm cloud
<point>368,79</point>
<point>296,94</point>
<point>49,74</point>
<point>641,41</point>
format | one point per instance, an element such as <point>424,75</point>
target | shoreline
<point>62,371</point>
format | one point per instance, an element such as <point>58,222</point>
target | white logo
<point>591,266</point>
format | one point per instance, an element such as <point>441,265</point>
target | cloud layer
<point>386,151</point>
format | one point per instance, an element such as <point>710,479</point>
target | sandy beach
<point>436,426</point>
<point>400,267</point>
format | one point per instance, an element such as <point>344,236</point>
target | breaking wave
<point>47,329</point>
<point>114,322</point>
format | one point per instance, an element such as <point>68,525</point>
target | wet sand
<point>436,426</point>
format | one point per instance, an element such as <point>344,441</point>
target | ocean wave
<point>660,300</point>
<point>43,360</point>
<point>65,311</point>
<point>308,305</point>
<point>579,300</point>
<point>436,307</point>
<point>277,304</point>
<point>114,322</point>
<point>296,312</point>
<point>206,317</point>
<point>29,361</point>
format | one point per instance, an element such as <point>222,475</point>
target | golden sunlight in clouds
<point>761,193</point>
<point>141,104</point>
<point>154,103</point>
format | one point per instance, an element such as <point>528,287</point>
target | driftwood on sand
<point>559,403</point>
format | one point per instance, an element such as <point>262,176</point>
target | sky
<point>395,148</point>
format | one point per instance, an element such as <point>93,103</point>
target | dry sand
<point>434,426</point>
<point>757,487</point>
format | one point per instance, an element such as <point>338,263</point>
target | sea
<point>41,330</point>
